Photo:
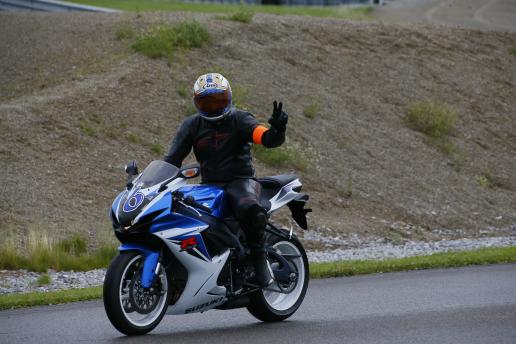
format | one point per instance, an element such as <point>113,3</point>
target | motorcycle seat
<point>276,182</point>
<point>272,185</point>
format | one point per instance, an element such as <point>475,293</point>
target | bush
<point>162,40</point>
<point>280,157</point>
<point>243,16</point>
<point>486,180</point>
<point>434,120</point>
<point>311,110</point>
<point>41,253</point>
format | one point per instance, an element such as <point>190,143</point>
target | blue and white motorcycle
<point>183,251</point>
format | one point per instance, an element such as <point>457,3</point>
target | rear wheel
<point>131,308</point>
<point>280,300</point>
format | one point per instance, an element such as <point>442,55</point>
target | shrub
<point>280,157</point>
<point>486,180</point>
<point>513,50</point>
<point>311,110</point>
<point>161,40</point>
<point>242,16</point>
<point>434,120</point>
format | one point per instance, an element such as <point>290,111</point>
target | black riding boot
<point>256,238</point>
<point>263,274</point>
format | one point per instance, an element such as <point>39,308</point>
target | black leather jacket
<point>222,148</point>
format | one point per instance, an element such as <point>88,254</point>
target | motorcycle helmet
<point>212,96</point>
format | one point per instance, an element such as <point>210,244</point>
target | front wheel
<point>131,308</point>
<point>279,300</point>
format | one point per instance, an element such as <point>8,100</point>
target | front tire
<point>270,306</point>
<point>132,309</point>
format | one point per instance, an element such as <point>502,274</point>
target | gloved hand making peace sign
<point>279,118</point>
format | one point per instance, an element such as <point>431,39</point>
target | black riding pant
<point>244,198</point>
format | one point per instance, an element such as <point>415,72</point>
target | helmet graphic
<point>212,96</point>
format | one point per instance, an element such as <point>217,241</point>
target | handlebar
<point>192,202</point>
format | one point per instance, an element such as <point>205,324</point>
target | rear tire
<point>269,306</point>
<point>121,283</point>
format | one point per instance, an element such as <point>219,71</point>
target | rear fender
<point>297,208</point>
<point>149,265</point>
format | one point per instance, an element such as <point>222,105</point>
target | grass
<point>311,110</point>
<point>444,145</point>
<point>44,279</point>
<point>162,40</point>
<point>183,91</point>
<point>512,50</point>
<point>157,149</point>
<point>344,12</point>
<point>11,301</point>
<point>133,138</point>
<point>439,260</point>
<point>317,270</point>
<point>243,16</point>
<point>125,31</point>
<point>486,180</point>
<point>280,157</point>
<point>86,129</point>
<point>40,253</point>
<point>433,119</point>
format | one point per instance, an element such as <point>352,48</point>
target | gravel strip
<point>22,281</point>
<point>375,250</point>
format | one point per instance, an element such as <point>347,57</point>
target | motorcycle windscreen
<point>140,195</point>
<point>156,172</point>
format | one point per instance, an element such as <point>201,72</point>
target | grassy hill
<point>77,102</point>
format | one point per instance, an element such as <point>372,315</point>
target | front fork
<point>150,263</point>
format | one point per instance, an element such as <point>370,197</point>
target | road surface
<point>496,15</point>
<point>467,305</point>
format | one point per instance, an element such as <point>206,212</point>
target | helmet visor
<point>212,104</point>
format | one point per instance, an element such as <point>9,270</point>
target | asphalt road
<point>467,305</point>
<point>496,15</point>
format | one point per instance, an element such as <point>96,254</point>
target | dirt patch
<point>63,145</point>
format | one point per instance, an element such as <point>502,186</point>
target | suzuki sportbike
<point>183,251</point>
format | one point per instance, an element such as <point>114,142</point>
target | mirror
<point>131,168</point>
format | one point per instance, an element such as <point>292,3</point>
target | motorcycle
<point>182,251</point>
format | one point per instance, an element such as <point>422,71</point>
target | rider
<point>221,137</point>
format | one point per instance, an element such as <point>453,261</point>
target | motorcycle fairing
<point>285,195</point>
<point>201,291</point>
<point>209,195</point>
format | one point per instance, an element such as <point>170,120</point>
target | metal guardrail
<point>48,6</point>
